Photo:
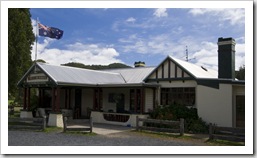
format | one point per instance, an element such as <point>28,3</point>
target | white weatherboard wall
<point>215,105</point>
<point>239,90</point>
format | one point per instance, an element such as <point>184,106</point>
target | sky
<point>111,35</point>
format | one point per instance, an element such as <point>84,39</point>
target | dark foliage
<point>40,61</point>
<point>240,75</point>
<point>96,67</point>
<point>20,40</point>
<point>193,124</point>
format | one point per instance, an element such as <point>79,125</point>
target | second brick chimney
<point>226,58</point>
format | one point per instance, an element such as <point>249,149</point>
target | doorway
<point>120,103</point>
<point>240,111</point>
<point>77,108</point>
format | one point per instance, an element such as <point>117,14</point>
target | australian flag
<point>51,32</point>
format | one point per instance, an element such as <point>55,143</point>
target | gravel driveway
<point>124,138</point>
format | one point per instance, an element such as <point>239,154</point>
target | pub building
<point>118,96</point>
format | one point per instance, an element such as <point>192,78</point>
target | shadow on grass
<point>60,130</point>
<point>189,138</point>
<point>161,134</point>
<point>81,133</point>
<point>224,143</point>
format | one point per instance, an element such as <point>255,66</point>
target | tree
<point>40,61</point>
<point>20,40</point>
<point>96,67</point>
<point>75,64</point>
<point>117,65</point>
<point>240,75</point>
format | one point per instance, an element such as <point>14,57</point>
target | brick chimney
<point>139,64</point>
<point>226,58</point>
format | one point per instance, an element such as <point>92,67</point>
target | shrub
<point>193,123</point>
<point>196,126</point>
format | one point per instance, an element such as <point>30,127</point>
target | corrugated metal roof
<point>66,75</point>
<point>196,70</point>
<point>133,75</point>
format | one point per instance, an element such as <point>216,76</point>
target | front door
<point>77,109</point>
<point>240,111</point>
<point>120,103</point>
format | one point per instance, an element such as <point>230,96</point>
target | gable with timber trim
<point>169,70</point>
<point>35,76</point>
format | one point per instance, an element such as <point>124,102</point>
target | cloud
<point>162,44</point>
<point>87,54</point>
<point>150,45</point>
<point>201,52</point>
<point>131,20</point>
<point>123,25</point>
<point>178,30</point>
<point>145,23</point>
<point>234,16</point>
<point>34,25</point>
<point>240,55</point>
<point>160,12</point>
<point>207,55</point>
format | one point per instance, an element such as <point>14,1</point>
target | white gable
<point>197,71</point>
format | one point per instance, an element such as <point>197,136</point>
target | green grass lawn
<point>10,101</point>
<point>190,138</point>
<point>53,129</point>
<point>16,112</point>
<point>224,143</point>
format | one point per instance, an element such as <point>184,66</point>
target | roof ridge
<point>78,68</point>
<point>128,68</point>
<point>192,64</point>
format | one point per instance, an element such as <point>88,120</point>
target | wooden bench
<point>27,123</point>
<point>226,133</point>
<point>67,125</point>
<point>179,130</point>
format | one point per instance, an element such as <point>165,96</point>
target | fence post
<point>137,123</point>
<point>64,123</point>
<point>210,131</point>
<point>44,122</point>
<point>181,127</point>
<point>91,124</point>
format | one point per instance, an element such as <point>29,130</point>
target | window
<point>135,100</point>
<point>183,96</point>
<point>240,111</point>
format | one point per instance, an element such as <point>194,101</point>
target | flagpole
<point>36,41</point>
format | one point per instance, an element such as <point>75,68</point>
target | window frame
<point>178,95</point>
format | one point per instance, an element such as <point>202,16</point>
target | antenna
<point>187,59</point>
<point>186,54</point>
